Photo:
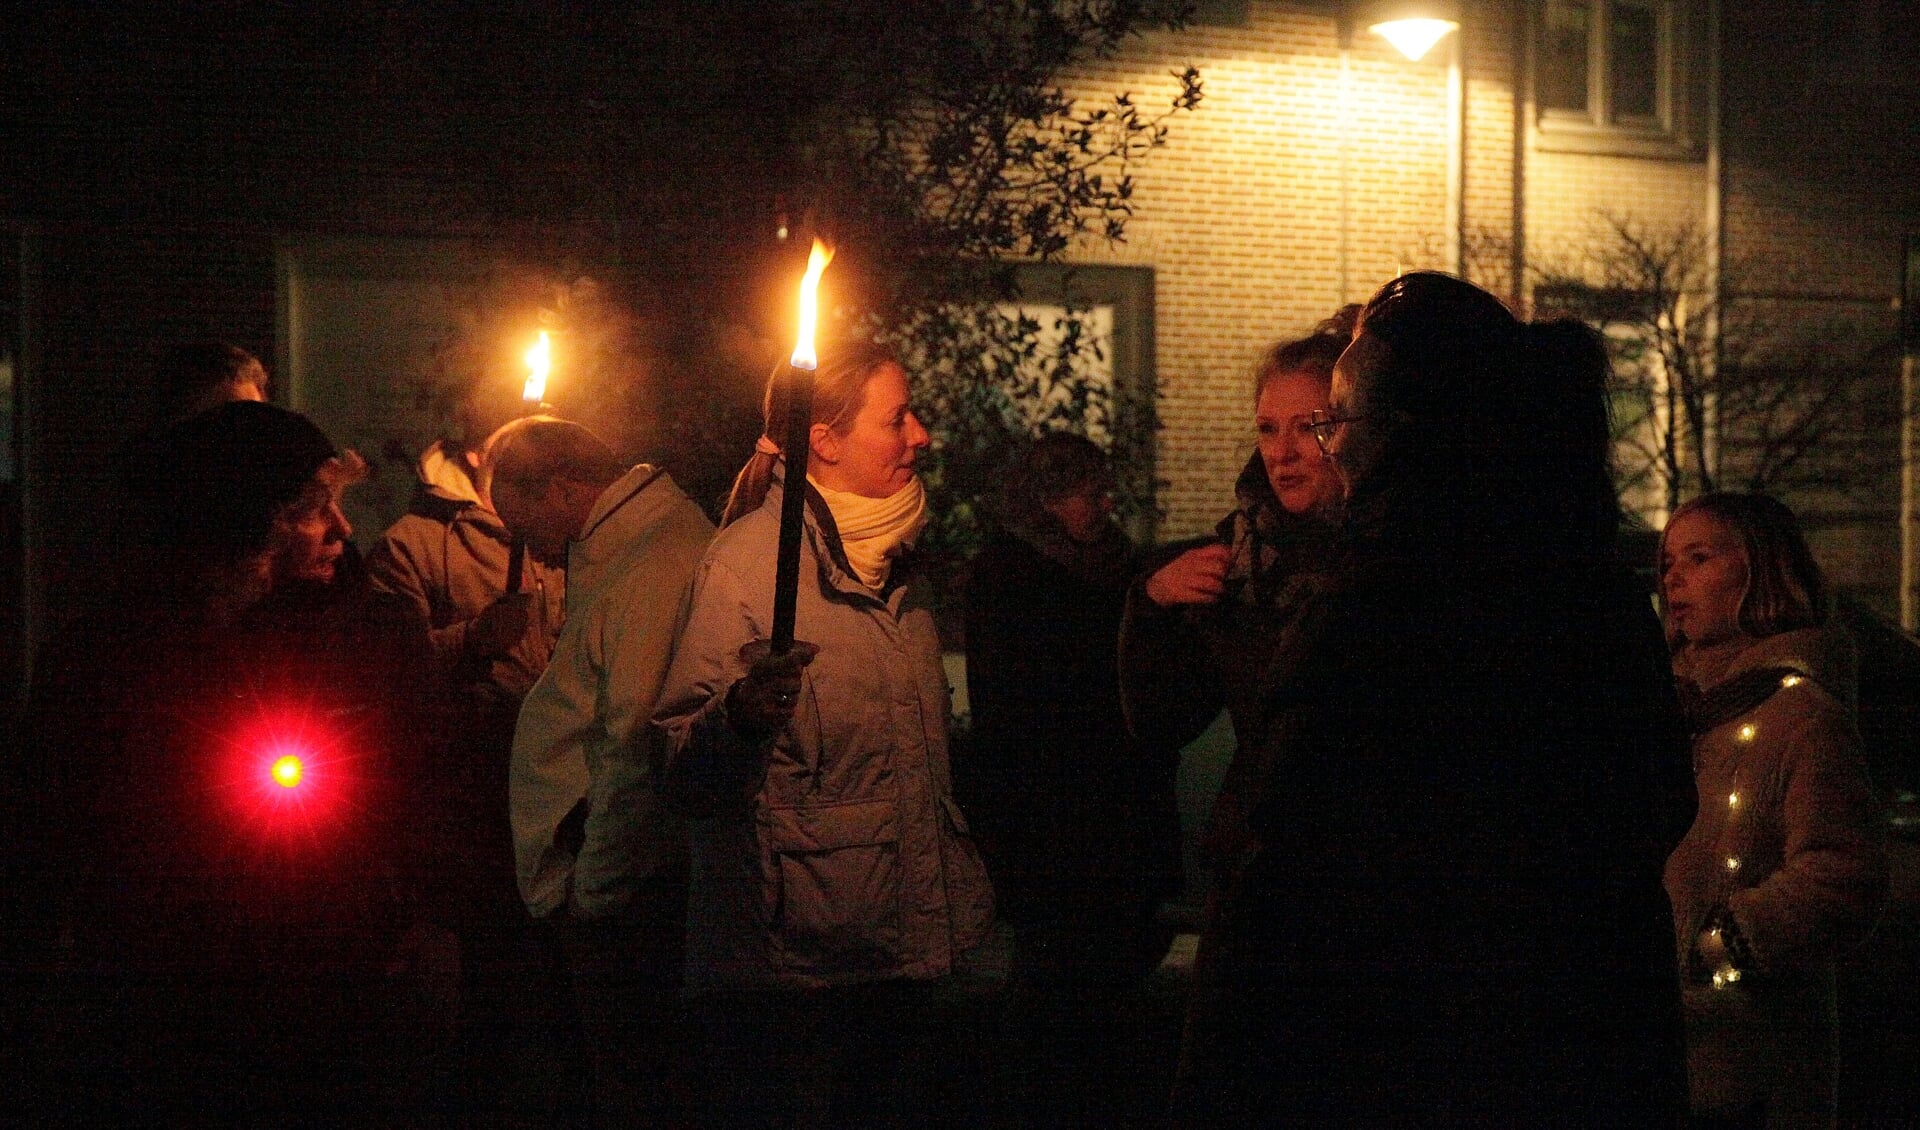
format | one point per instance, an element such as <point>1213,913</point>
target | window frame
<point>1129,290</point>
<point>1598,129</point>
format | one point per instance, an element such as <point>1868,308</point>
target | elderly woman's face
<point>1082,512</point>
<point>1355,445</point>
<point>311,532</point>
<point>1300,477</point>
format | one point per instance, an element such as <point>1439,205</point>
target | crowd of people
<point>313,839</point>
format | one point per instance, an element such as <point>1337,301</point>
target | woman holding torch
<point>833,876</point>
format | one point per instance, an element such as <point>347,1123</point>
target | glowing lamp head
<point>287,772</point>
<point>1414,37</point>
<point>803,352</point>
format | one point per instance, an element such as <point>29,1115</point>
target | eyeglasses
<point>1322,423</point>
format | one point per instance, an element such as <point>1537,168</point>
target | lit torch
<point>539,364</point>
<point>786,577</point>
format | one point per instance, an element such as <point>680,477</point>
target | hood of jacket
<point>445,493</point>
<point>1270,547</point>
<point>635,501</point>
<point>443,476</point>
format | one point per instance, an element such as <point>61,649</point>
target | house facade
<point>1774,140</point>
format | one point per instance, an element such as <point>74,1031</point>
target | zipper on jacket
<point>819,737</point>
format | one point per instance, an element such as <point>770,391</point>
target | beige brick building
<point>1321,163</point>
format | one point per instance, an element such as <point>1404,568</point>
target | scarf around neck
<point>873,531</point>
<point>1270,547</point>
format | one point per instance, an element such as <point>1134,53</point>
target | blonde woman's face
<point>875,458</point>
<point>1703,575</point>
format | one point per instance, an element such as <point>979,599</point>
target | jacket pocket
<point>836,902</point>
<point>969,892</point>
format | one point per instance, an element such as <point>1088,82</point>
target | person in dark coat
<point>1202,619</point>
<point>1078,820</point>
<point>228,759</point>
<point>1455,915</point>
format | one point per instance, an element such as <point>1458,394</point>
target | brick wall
<point>1241,215</point>
<point>1822,186</point>
<point>1253,236</point>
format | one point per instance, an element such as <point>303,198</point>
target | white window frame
<point>1598,129</point>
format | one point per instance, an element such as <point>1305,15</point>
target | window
<point>359,323</point>
<point>1608,76</point>
<point>1114,305</point>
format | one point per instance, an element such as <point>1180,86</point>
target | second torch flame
<point>803,353</point>
<point>539,364</point>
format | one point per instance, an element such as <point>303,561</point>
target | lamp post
<point>1414,27</point>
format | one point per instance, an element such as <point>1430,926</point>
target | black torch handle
<point>516,564</point>
<point>786,574</point>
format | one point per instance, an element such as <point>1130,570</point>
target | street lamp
<point>1414,27</point>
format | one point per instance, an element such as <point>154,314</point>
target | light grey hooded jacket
<point>832,853</point>
<point>583,737</point>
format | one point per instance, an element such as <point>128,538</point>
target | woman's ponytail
<point>750,486</point>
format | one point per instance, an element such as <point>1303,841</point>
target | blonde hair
<point>839,392</point>
<point>1785,588</point>
<point>1313,354</point>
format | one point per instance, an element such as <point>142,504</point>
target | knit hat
<point>218,479</point>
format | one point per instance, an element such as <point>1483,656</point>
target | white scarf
<point>873,531</point>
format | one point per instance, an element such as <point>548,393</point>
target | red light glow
<point>293,779</point>
<point>287,772</point>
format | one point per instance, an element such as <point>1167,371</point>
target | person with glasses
<point>1202,618</point>
<point>1455,913</point>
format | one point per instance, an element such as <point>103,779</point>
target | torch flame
<point>803,355</point>
<point>539,364</point>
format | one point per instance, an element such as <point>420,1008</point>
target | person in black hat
<point>229,757</point>
<point>240,498</point>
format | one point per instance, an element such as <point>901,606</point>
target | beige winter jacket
<point>1788,840</point>
<point>834,852</point>
<point>448,555</point>
<point>583,738</point>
